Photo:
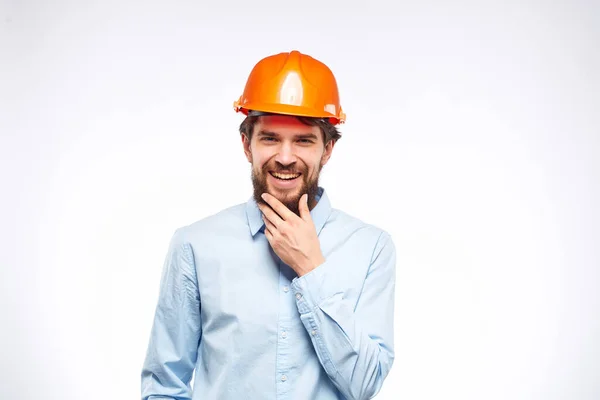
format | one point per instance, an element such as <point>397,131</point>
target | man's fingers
<point>268,235</point>
<point>279,207</point>
<point>270,215</point>
<point>303,207</point>
<point>269,226</point>
<point>271,233</point>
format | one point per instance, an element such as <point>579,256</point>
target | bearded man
<point>284,296</point>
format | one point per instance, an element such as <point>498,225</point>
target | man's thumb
<point>303,206</point>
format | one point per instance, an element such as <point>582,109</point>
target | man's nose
<point>285,155</point>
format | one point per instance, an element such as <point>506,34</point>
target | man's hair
<point>328,130</point>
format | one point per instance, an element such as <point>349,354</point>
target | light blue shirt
<point>233,312</point>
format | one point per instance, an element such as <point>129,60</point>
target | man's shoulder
<point>230,218</point>
<point>352,223</point>
<point>356,236</point>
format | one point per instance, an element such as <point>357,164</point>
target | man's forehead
<point>283,124</point>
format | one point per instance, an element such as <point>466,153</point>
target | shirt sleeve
<point>355,345</point>
<point>176,331</point>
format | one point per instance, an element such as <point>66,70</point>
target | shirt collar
<point>319,214</point>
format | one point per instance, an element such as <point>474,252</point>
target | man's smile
<point>285,177</point>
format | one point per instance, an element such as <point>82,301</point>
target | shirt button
<point>284,334</point>
<point>298,296</point>
<point>314,332</point>
<point>286,289</point>
<point>283,378</point>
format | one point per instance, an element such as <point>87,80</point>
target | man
<point>282,297</point>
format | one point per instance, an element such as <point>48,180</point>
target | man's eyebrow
<point>267,133</point>
<point>299,135</point>
<point>307,136</point>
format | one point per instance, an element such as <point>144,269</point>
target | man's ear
<point>246,144</point>
<point>327,152</point>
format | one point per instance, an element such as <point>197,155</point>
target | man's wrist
<point>310,265</point>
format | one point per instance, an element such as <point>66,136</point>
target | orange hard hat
<point>292,84</point>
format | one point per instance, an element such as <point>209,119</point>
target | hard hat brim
<point>292,110</point>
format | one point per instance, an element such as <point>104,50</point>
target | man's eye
<point>268,139</point>
<point>306,140</point>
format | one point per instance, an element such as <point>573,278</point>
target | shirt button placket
<point>286,312</point>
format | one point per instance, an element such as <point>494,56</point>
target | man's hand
<point>294,239</point>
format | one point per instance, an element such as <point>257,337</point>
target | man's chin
<point>289,198</point>
<point>286,196</point>
<point>282,193</point>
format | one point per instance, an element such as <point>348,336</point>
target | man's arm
<point>176,330</point>
<point>355,346</point>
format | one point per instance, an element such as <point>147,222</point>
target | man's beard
<point>290,200</point>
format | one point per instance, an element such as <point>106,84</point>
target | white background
<point>472,137</point>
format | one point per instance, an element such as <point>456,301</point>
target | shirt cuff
<point>312,288</point>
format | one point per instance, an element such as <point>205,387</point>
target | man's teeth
<point>284,176</point>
